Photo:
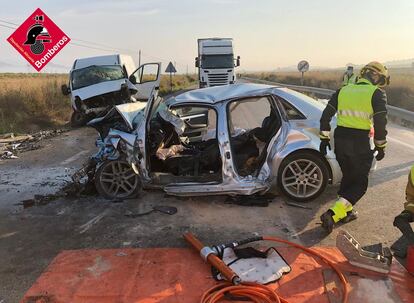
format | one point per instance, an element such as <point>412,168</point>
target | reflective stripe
<point>380,143</point>
<point>340,209</point>
<point>409,206</point>
<point>354,113</point>
<point>412,175</point>
<point>324,134</point>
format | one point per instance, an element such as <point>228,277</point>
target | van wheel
<point>303,176</point>
<point>117,180</point>
<point>78,119</point>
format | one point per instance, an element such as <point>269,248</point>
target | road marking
<point>83,228</point>
<point>74,157</point>
<point>8,235</point>
<point>400,142</point>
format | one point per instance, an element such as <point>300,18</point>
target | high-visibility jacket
<point>409,205</point>
<point>348,79</point>
<point>355,105</point>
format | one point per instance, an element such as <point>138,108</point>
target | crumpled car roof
<point>212,95</point>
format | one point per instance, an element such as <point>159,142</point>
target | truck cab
<point>216,62</point>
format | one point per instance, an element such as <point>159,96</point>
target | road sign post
<point>303,66</point>
<point>170,69</point>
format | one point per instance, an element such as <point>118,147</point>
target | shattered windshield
<point>96,74</point>
<point>217,61</point>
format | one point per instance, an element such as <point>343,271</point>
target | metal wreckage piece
<point>357,256</point>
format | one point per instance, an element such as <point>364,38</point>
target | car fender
<point>294,141</point>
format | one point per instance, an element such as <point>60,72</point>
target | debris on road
<point>71,189</point>
<point>255,200</point>
<point>11,144</point>
<point>297,205</point>
<point>169,210</point>
<point>39,200</point>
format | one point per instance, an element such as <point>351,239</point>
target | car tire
<point>115,179</point>
<point>78,119</point>
<point>303,176</point>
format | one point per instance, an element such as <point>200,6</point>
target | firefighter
<point>357,106</point>
<point>349,76</point>
<point>403,220</point>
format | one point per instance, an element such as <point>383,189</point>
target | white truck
<point>216,62</point>
<point>96,84</point>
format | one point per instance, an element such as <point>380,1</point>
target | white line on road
<point>400,142</point>
<point>74,157</point>
<point>83,228</point>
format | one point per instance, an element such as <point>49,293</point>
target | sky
<point>268,34</point>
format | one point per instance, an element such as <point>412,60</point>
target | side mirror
<point>197,62</point>
<point>65,90</point>
<point>133,79</point>
<point>238,61</point>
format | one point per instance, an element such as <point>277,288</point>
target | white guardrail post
<point>395,114</point>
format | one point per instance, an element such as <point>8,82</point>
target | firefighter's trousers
<point>354,156</point>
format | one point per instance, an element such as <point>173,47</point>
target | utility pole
<point>139,58</point>
<point>186,70</point>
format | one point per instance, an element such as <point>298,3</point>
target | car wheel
<point>78,119</point>
<point>117,180</point>
<point>303,176</point>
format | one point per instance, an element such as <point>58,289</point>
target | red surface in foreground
<point>164,275</point>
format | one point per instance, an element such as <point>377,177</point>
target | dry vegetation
<point>400,92</point>
<point>179,82</point>
<point>29,102</point>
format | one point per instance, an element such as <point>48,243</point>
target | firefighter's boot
<point>327,220</point>
<point>350,216</point>
<point>341,211</point>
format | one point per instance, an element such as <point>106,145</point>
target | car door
<point>146,79</point>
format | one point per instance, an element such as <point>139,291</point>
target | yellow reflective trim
<point>412,175</point>
<point>340,209</point>
<point>354,113</point>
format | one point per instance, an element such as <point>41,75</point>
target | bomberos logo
<point>38,39</point>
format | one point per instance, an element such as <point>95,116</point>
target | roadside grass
<point>400,92</point>
<point>31,102</point>
<point>179,82</point>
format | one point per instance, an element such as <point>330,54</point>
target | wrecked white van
<point>96,84</point>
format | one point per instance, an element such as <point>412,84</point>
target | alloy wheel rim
<point>118,179</point>
<point>302,178</point>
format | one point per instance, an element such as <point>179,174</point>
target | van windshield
<point>217,61</point>
<point>96,74</point>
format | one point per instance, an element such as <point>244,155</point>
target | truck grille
<point>218,79</point>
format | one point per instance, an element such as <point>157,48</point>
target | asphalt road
<point>30,238</point>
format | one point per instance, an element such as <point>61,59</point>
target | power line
<point>93,47</point>
<point>4,21</point>
<point>104,45</point>
<point>107,47</point>
<point>7,26</point>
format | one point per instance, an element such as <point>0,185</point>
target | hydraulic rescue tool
<point>209,255</point>
<point>357,256</point>
<point>254,292</point>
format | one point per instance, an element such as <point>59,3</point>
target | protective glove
<point>324,144</point>
<point>381,153</point>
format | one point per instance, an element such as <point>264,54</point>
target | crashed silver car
<point>240,139</point>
